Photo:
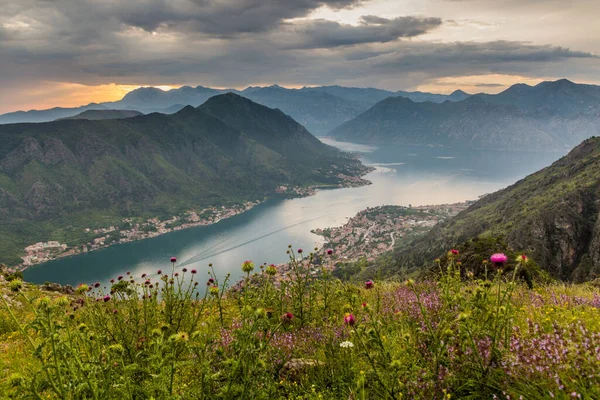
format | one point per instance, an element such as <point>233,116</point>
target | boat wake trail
<point>203,255</point>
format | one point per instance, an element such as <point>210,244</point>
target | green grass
<point>308,337</point>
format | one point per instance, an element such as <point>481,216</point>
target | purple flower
<point>193,271</point>
<point>184,270</point>
<point>106,298</point>
<point>369,284</point>
<point>349,320</point>
<point>329,251</point>
<point>97,284</point>
<point>173,259</point>
<point>299,251</point>
<point>143,275</point>
<point>159,272</point>
<point>120,277</point>
<point>454,252</point>
<point>112,281</point>
<point>498,258</point>
<point>128,272</point>
<point>287,317</point>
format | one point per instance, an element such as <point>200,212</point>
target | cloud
<point>371,29</point>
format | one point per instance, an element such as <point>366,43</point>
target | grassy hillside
<point>552,214</point>
<point>60,177</point>
<point>170,336</point>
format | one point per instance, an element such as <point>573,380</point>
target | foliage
<point>295,331</point>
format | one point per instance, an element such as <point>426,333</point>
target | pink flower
<point>299,251</point>
<point>106,298</point>
<point>369,284</point>
<point>193,271</point>
<point>349,320</point>
<point>498,258</point>
<point>454,251</point>
<point>173,259</point>
<point>159,272</point>
<point>329,251</point>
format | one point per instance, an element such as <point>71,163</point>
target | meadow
<point>303,334</point>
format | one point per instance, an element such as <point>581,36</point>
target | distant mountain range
<point>549,116</point>
<point>552,215</point>
<point>319,109</point>
<point>104,114</point>
<point>58,178</point>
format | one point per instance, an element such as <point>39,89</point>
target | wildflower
<point>159,272</point>
<point>106,298</point>
<point>97,285</point>
<point>329,252</point>
<point>128,272</point>
<point>454,252</point>
<point>499,258</point>
<point>115,311</point>
<point>271,270</point>
<point>184,270</point>
<point>179,337</point>
<point>176,273</point>
<point>287,318</point>
<point>82,288</point>
<point>437,261</point>
<point>522,258</point>
<point>349,319</point>
<point>369,284</point>
<point>193,271</point>
<point>247,266</point>
<point>365,305</point>
<point>410,282</point>
<point>346,344</point>
<point>112,281</point>
<point>143,275</point>
<point>62,301</point>
<point>299,251</point>
<point>120,278</point>
<point>210,282</point>
<point>214,291</point>
<point>173,260</point>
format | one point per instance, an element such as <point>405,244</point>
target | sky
<point>72,52</point>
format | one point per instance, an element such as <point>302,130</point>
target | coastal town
<point>130,229</point>
<point>376,230</point>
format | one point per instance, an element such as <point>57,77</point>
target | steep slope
<point>551,214</point>
<point>468,123</point>
<point>56,176</point>
<point>95,115</point>
<point>550,116</point>
<point>319,112</point>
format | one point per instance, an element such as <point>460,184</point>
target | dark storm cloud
<point>238,42</point>
<point>371,29</point>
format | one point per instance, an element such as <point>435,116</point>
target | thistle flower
<point>454,252</point>
<point>159,272</point>
<point>193,271</point>
<point>184,270</point>
<point>97,285</point>
<point>349,319</point>
<point>499,258</point>
<point>120,278</point>
<point>287,317</point>
<point>128,272</point>
<point>112,281</point>
<point>299,251</point>
<point>143,275</point>
<point>106,298</point>
<point>247,266</point>
<point>346,345</point>
<point>369,284</point>
<point>329,252</point>
<point>271,270</point>
<point>173,260</point>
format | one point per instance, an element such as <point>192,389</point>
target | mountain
<point>320,109</point>
<point>104,114</point>
<point>60,177</point>
<point>46,115</point>
<point>550,116</point>
<point>553,215</point>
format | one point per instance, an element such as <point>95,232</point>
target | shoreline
<point>43,252</point>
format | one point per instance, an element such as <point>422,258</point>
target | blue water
<point>404,175</point>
